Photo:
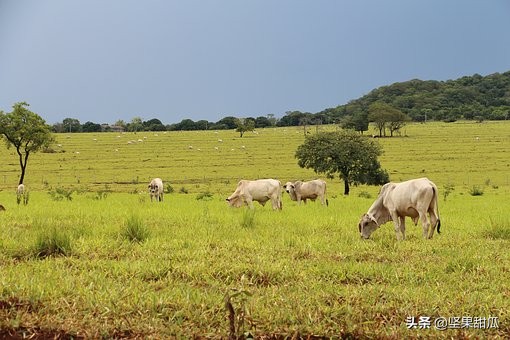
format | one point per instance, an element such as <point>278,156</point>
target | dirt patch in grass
<point>36,334</point>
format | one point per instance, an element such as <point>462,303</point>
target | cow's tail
<point>435,205</point>
<point>325,194</point>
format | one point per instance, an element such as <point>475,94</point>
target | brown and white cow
<point>261,190</point>
<point>156,189</point>
<point>414,198</point>
<point>301,191</point>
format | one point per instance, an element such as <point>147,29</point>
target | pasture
<point>124,267</point>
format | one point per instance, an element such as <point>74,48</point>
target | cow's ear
<point>372,218</point>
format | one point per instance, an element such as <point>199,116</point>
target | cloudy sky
<point>104,60</point>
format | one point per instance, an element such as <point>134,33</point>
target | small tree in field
<point>244,125</point>
<point>344,153</point>
<point>26,131</point>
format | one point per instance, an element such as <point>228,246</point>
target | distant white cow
<point>261,190</point>
<point>156,189</point>
<point>414,198</point>
<point>301,191</point>
<point>22,194</point>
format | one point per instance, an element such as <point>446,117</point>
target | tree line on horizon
<point>389,107</point>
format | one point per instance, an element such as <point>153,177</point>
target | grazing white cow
<point>261,190</point>
<point>22,194</point>
<point>414,198</point>
<point>301,191</point>
<point>156,189</point>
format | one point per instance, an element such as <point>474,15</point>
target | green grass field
<point>123,267</point>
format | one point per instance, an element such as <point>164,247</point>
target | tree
<point>229,122</point>
<point>91,127</point>
<point>244,125</point>
<point>346,153</point>
<point>397,120</point>
<point>153,125</point>
<point>71,125</point>
<point>378,113</point>
<point>262,122</point>
<point>135,125</point>
<point>26,131</point>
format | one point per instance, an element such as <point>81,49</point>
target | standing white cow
<point>22,194</point>
<point>301,191</point>
<point>156,189</point>
<point>414,198</point>
<point>261,190</point>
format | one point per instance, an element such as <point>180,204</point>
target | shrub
<point>204,196</point>
<point>476,191</point>
<point>364,194</point>
<point>169,189</point>
<point>134,230</point>
<point>58,194</point>
<point>183,190</point>
<point>447,190</point>
<point>52,242</point>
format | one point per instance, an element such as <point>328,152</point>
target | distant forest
<point>471,97</point>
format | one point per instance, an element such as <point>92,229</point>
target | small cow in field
<point>156,189</point>
<point>22,194</point>
<point>261,190</point>
<point>301,191</point>
<point>414,198</point>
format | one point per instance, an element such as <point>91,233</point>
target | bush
<point>476,191</point>
<point>169,189</point>
<point>364,194</point>
<point>51,243</point>
<point>183,190</point>
<point>447,190</point>
<point>204,196</point>
<point>134,230</point>
<point>58,194</point>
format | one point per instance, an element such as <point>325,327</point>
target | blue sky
<point>104,60</point>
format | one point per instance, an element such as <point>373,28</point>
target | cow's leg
<point>396,221</point>
<point>249,201</point>
<point>433,224</point>
<point>425,225</point>
<point>402,221</point>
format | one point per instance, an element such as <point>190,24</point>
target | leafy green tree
<point>71,125</point>
<point>262,122</point>
<point>397,120</point>
<point>91,127</point>
<point>386,116</point>
<point>379,115</point>
<point>153,125</point>
<point>135,125</point>
<point>26,131</point>
<point>244,125</point>
<point>344,153</point>
<point>229,122</point>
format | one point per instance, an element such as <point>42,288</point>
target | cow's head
<point>367,225</point>
<point>289,186</point>
<point>234,201</point>
<point>153,188</point>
